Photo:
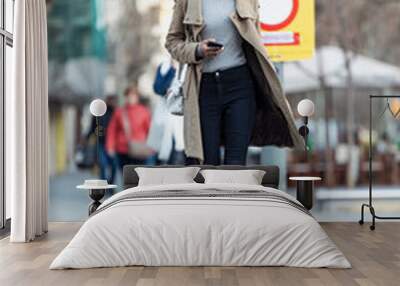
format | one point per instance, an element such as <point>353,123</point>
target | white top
<point>219,26</point>
<point>305,179</point>
<point>165,130</point>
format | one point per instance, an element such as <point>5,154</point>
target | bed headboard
<point>271,178</point>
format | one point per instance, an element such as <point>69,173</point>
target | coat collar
<point>247,9</point>
<point>194,12</point>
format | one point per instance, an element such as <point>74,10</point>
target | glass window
<point>2,202</point>
<point>1,13</point>
<point>9,15</point>
<point>8,89</point>
<point>6,65</point>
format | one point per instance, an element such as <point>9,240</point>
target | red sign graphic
<point>289,19</point>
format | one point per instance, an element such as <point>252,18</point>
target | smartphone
<point>215,45</point>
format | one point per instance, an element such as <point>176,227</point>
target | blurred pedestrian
<point>107,164</point>
<point>128,129</point>
<point>166,131</point>
<point>231,90</point>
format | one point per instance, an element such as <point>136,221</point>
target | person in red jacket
<point>139,119</point>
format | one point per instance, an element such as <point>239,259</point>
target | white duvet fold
<point>200,231</point>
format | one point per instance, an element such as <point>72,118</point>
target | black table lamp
<point>98,108</point>
<point>306,109</point>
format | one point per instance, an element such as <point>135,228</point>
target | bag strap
<point>125,123</point>
<point>182,72</point>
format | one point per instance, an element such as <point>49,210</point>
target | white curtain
<point>27,123</point>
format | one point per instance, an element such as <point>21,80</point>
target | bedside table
<point>97,189</point>
<point>305,190</point>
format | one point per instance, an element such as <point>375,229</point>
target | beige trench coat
<point>275,123</point>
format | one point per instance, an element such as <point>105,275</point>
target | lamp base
<point>304,131</point>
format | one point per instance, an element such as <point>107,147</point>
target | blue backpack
<point>163,82</point>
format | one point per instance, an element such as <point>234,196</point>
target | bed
<point>198,224</point>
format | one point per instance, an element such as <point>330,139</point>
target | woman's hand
<point>204,51</point>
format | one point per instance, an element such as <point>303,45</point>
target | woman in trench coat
<point>273,119</point>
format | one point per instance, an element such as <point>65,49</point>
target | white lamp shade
<point>98,108</point>
<point>306,108</point>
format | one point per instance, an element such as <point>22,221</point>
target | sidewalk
<point>66,202</point>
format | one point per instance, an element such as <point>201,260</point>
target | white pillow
<point>247,177</point>
<point>166,176</point>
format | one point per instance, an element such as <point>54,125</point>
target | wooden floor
<point>375,257</point>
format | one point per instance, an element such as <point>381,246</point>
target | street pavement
<point>66,202</point>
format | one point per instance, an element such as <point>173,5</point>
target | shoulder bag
<point>136,149</point>
<point>174,96</point>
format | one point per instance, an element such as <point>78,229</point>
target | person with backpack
<point>166,131</point>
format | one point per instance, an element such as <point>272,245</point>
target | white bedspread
<point>191,231</point>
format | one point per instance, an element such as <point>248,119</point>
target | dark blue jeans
<point>108,166</point>
<point>227,111</point>
<point>125,159</point>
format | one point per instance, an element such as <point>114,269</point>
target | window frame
<point>6,39</point>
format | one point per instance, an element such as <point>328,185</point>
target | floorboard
<point>375,257</point>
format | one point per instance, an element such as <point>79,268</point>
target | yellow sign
<point>288,29</point>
